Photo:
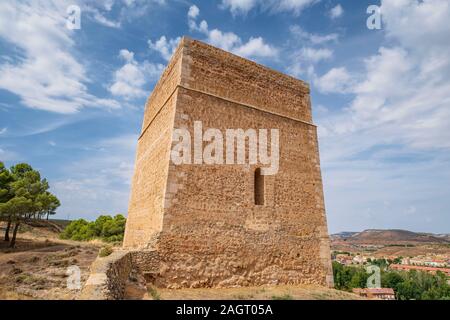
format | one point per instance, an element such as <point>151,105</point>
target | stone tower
<point>215,225</point>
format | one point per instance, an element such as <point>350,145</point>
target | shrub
<point>411,285</point>
<point>105,251</point>
<point>283,297</point>
<point>154,293</point>
<point>107,228</point>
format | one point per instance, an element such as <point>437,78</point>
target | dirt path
<point>305,292</point>
<point>37,267</point>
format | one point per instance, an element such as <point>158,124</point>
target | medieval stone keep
<point>224,225</point>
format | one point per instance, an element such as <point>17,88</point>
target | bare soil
<point>300,292</point>
<point>37,267</point>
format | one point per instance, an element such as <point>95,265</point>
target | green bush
<point>411,285</point>
<point>283,297</point>
<point>347,278</point>
<point>106,228</point>
<point>105,251</point>
<point>154,293</point>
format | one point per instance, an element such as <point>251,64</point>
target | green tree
<point>411,285</point>
<point>47,204</point>
<point>5,195</point>
<point>27,197</point>
<point>382,263</point>
<point>347,278</point>
<point>107,228</point>
<point>99,224</point>
<point>17,209</point>
<point>408,290</point>
<point>397,260</point>
<point>359,279</point>
<point>391,279</point>
<point>78,230</point>
<point>114,229</point>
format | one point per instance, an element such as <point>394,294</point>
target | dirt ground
<point>305,292</point>
<point>37,267</point>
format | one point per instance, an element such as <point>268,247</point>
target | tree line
<point>106,228</point>
<point>407,285</point>
<point>24,196</point>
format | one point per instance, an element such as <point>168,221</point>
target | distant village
<point>431,263</point>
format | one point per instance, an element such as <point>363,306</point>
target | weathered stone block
<point>202,220</point>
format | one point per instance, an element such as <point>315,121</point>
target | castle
<point>228,224</point>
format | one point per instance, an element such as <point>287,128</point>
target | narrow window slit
<point>259,188</point>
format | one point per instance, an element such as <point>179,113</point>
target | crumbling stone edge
<point>109,275</point>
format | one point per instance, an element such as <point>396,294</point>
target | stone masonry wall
<point>213,233</point>
<point>217,72</point>
<point>108,277</point>
<point>152,156</point>
<point>202,219</point>
<point>145,210</point>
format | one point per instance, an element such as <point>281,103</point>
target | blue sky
<point>71,101</point>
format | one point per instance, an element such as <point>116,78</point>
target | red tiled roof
<point>430,269</point>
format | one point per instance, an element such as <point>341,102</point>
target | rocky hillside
<point>375,236</point>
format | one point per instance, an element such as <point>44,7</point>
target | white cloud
<point>315,55</point>
<point>98,11</point>
<point>100,18</point>
<point>126,55</point>
<point>303,60</point>
<point>137,8</point>
<point>100,183</point>
<point>406,87</point>
<point>255,47</point>
<point>394,136</point>
<point>193,12</point>
<point>337,80</point>
<point>108,4</point>
<point>224,40</point>
<point>140,3</point>
<point>239,6</point>
<point>165,47</point>
<point>132,76</point>
<point>46,75</point>
<point>315,39</point>
<point>3,130</point>
<point>336,12</point>
<point>244,6</point>
<point>373,182</point>
<point>129,2</point>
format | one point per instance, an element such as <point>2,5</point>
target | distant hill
<point>376,236</point>
<point>343,235</point>
<point>443,236</point>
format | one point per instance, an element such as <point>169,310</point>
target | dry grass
<point>36,268</point>
<point>304,292</point>
<point>403,251</point>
